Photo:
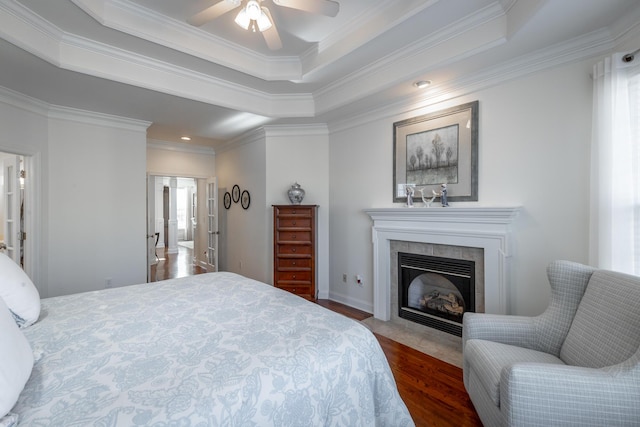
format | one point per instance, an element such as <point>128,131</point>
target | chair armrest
<point>542,394</point>
<point>506,329</point>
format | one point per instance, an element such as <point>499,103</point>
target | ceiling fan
<point>253,15</point>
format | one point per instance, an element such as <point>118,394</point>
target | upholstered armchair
<point>577,364</point>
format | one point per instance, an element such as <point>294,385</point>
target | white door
<point>212,224</point>
<point>13,233</point>
<point>152,259</point>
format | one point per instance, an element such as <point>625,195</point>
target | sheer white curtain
<point>615,166</point>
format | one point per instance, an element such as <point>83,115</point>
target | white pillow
<point>18,292</point>
<point>16,360</point>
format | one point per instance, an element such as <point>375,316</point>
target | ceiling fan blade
<point>213,12</point>
<point>321,7</point>
<point>271,35</point>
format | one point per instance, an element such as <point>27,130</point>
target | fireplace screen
<point>435,291</point>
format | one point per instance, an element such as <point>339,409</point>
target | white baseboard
<point>351,302</point>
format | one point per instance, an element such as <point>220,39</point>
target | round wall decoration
<point>245,199</point>
<point>227,200</point>
<point>235,193</point>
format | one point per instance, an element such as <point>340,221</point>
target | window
<point>615,166</point>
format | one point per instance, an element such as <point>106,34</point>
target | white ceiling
<point>140,58</point>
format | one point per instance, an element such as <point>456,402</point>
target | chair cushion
<point>606,328</point>
<point>487,359</point>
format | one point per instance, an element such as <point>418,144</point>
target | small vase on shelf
<point>296,194</point>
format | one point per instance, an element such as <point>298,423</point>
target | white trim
<point>587,46</point>
<point>23,102</point>
<point>147,24</point>
<point>487,228</point>
<point>181,147</point>
<point>254,135</point>
<point>80,54</point>
<point>98,119</point>
<point>33,105</point>
<point>295,130</point>
<point>348,300</point>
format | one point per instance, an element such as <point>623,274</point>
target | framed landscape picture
<point>437,148</point>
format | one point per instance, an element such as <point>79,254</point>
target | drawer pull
<point>293,250</point>
<point>293,211</point>
<point>294,237</point>
<point>294,276</point>
<point>293,263</point>
<point>294,223</point>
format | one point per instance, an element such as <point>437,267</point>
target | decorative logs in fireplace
<point>435,291</point>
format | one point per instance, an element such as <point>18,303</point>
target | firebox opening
<point>435,291</point>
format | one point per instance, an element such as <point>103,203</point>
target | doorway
<point>31,248</point>
<point>177,224</point>
<point>12,207</point>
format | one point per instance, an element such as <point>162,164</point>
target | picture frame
<point>227,200</point>
<point>245,200</point>
<point>235,193</point>
<point>434,149</point>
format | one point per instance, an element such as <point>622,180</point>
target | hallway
<point>172,266</point>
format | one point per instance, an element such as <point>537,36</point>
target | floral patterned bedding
<point>216,349</point>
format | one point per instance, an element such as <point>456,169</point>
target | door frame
<point>202,201</point>
<point>13,198</point>
<point>33,251</point>
<point>213,226</point>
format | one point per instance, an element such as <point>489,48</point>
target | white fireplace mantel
<point>477,227</point>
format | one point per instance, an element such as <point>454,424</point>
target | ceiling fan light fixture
<point>263,21</point>
<point>243,19</point>
<point>252,16</point>
<point>253,10</point>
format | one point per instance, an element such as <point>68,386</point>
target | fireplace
<point>487,229</point>
<point>435,291</point>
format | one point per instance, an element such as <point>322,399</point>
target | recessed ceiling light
<point>422,84</point>
<point>185,138</point>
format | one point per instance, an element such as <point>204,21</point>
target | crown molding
<point>97,119</point>
<point>26,103</point>
<point>295,130</point>
<point>453,42</point>
<point>627,30</point>
<point>90,57</point>
<point>35,34</point>
<point>46,110</point>
<point>581,48</point>
<point>359,32</point>
<point>249,137</point>
<point>179,147</point>
<point>149,25</point>
<point>29,31</point>
<point>271,131</point>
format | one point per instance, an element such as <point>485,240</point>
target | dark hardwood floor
<point>172,266</point>
<point>431,389</point>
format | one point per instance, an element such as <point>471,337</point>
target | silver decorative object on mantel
<point>442,194</point>
<point>296,194</point>
<point>427,202</point>
<point>409,190</point>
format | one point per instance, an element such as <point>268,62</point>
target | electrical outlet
<point>344,277</point>
<point>359,280</point>
<point>107,283</point>
<point>240,265</point>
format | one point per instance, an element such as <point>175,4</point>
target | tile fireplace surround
<point>486,228</point>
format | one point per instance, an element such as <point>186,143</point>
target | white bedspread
<point>209,350</point>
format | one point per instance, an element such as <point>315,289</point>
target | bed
<point>215,349</point>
